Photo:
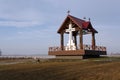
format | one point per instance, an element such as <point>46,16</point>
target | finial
<point>68,12</point>
<point>84,17</point>
<point>89,19</point>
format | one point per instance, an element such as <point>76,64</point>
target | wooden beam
<point>75,39</point>
<point>62,41</point>
<point>81,39</point>
<point>93,41</point>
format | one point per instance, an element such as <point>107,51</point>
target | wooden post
<point>75,39</point>
<point>81,39</point>
<point>93,41</point>
<point>62,41</point>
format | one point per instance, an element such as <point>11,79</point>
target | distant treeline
<point>26,57</point>
<point>13,57</point>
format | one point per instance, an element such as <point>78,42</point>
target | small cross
<point>89,19</point>
<point>68,12</point>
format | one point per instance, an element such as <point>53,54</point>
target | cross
<point>70,30</point>
<point>68,12</point>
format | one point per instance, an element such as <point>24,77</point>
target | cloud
<point>19,13</point>
<point>25,18</point>
<point>19,23</point>
<point>28,13</point>
<point>30,34</point>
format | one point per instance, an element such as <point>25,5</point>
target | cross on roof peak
<point>68,12</point>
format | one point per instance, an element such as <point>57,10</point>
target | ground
<point>87,69</point>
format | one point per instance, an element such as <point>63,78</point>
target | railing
<point>97,48</point>
<point>55,49</point>
<point>85,47</point>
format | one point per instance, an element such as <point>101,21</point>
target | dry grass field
<point>88,69</point>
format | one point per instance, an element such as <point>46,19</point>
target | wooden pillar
<point>75,39</point>
<point>93,41</point>
<point>62,41</point>
<point>81,39</point>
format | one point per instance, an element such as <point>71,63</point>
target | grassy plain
<point>88,69</point>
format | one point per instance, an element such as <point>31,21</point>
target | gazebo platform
<point>75,49</point>
<point>86,52</point>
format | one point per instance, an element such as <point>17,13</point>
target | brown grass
<point>62,70</point>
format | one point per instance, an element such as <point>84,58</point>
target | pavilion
<point>76,27</point>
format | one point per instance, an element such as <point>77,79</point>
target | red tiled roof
<point>79,22</point>
<point>85,24</point>
<point>76,20</point>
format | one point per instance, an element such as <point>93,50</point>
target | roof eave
<point>62,25</point>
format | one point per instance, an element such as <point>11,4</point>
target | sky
<point>29,27</point>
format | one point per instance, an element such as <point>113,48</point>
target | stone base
<point>78,57</point>
<point>77,54</point>
<point>69,57</point>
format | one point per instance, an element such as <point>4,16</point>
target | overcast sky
<point>29,27</point>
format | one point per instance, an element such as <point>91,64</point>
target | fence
<point>85,47</point>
